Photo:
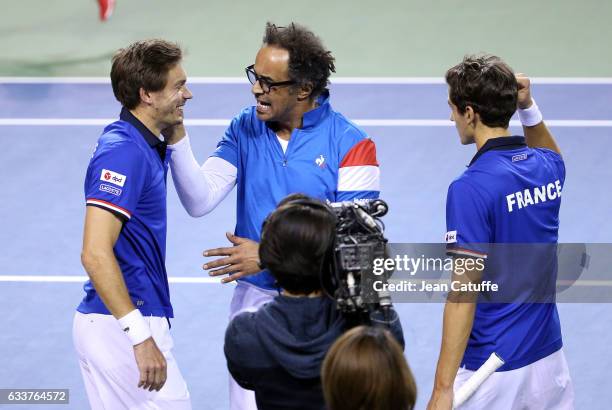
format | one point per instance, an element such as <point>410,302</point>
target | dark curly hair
<point>488,85</point>
<point>144,64</point>
<point>309,61</point>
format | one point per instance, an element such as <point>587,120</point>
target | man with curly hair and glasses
<point>290,141</point>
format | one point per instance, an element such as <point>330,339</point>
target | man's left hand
<point>239,261</point>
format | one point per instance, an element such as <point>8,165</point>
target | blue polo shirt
<point>329,158</point>
<point>127,176</point>
<point>509,194</point>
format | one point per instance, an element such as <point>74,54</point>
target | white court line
<point>188,279</point>
<point>82,278</point>
<point>220,122</point>
<point>338,80</point>
<point>206,122</point>
<point>585,282</point>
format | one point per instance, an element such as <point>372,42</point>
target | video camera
<point>359,240</point>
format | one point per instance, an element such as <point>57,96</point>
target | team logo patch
<point>519,157</point>
<point>320,161</point>
<point>112,177</point>
<point>110,189</point>
<point>451,237</point>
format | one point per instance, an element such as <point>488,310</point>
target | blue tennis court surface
<point>48,132</point>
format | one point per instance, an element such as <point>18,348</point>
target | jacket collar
<point>313,117</point>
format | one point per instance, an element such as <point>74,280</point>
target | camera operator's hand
<point>239,261</point>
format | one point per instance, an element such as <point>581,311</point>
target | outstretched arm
<point>200,188</point>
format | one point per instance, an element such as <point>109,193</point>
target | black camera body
<point>359,240</point>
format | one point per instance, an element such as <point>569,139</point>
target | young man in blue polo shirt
<point>121,328</point>
<point>291,141</point>
<point>510,194</point>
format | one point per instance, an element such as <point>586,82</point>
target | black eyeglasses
<point>265,85</point>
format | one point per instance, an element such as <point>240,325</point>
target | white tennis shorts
<point>108,365</point>
<point>542,385</point>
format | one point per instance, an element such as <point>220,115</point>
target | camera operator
<point>278,350</point>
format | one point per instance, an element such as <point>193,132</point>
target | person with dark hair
<point>509,194</point>
<point>277,351</point>
<point>366,369</point>
<point>290,141</point>
<point>121,328</point>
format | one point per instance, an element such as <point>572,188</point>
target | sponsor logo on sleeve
<point>451,237</point>
<point>112,177</point>
<point>110,189</point>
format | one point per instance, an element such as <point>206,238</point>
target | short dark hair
<point>143,64</point>
<point>309,61</point>
<point>488,85</point>
<point>366,369</point>
<point>296,240</point>
<point>297,196</point>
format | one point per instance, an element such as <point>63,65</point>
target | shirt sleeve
<point>116,178</point>
<point>227,148</point>
<point>236,345</point>
<point>392,323</point>
<point>200,189</point>
<point>359,174</point>
<point>556,160</point>
<point>467,221</point>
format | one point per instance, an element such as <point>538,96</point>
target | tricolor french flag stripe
<point>110,206</point>
<point>359,178</point>
<point>363,153</point>
<point>466,252</point>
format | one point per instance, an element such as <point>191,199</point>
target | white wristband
<point>135,327</point>
<point>530,116</point>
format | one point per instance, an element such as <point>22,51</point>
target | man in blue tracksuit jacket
<point>291,141</point>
